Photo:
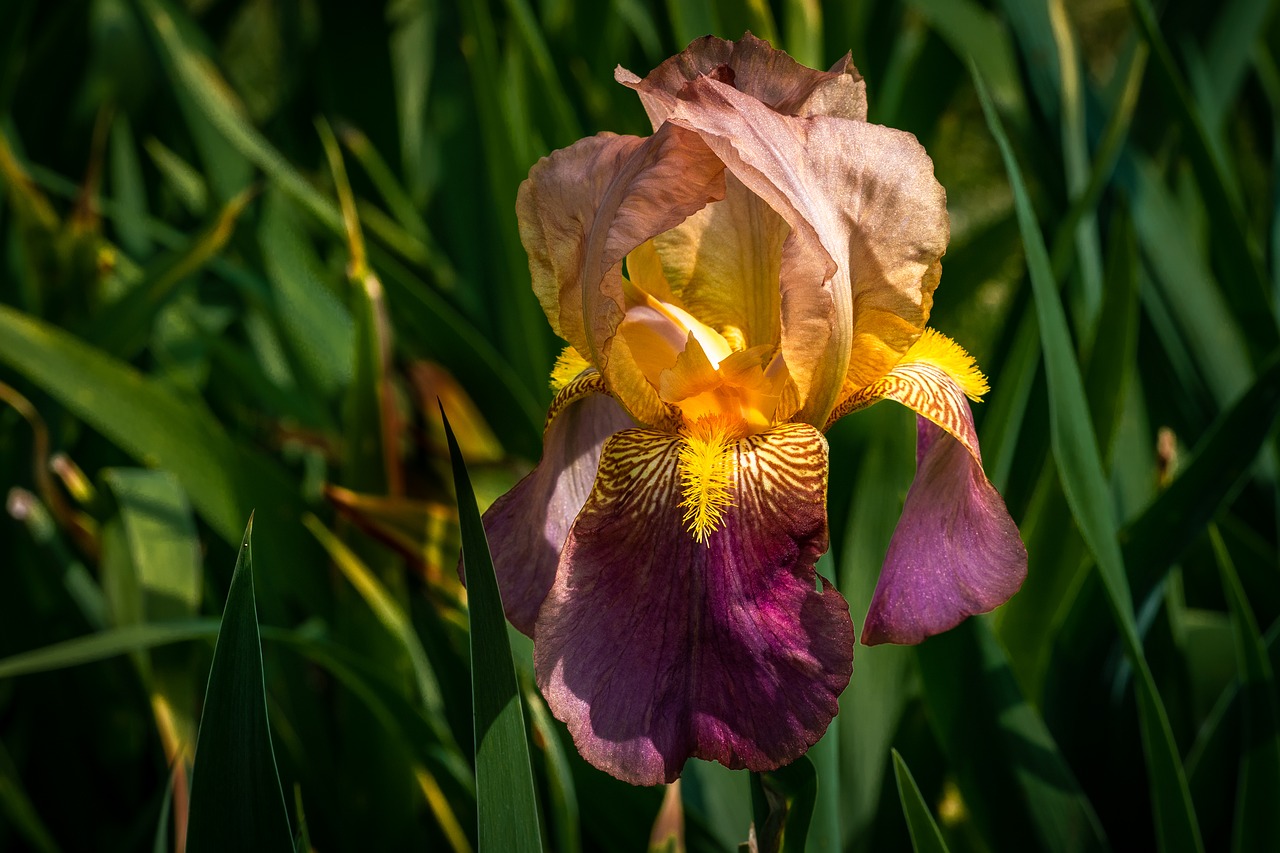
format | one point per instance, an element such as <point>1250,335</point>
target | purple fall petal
<point>955,552</point>
<point>527,526</point>
<point>654,648</point>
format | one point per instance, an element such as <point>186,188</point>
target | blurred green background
<point>246,244</point>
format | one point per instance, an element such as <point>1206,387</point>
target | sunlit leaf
<point>388,611</point>
<point>161,429</point>
<point>105,644</point>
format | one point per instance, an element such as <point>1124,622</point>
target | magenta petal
<point>527,526</point>
<point>955,552</point>
<point>653,648</point>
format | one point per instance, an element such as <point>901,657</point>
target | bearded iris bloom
<point>728,287</point>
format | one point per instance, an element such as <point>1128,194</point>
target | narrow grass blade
<point>1244,280</point>
<point>412,52</point>
<point>112,397</point>
<point>802,22</point>
<point>1080,466</point>
<point>161,843</point>
<point>549,87</point>
<point>717,801</point>
<point>396,198</point>
<point>128,188</point>
<point>971,30</point>
<point>162,541</point>
<point>455,339</point>
<point>1186,288</point>
<point>505,798</point>
<point>314,325</point>
<point>873,703</point>
<point>1239,23</point>
<point>1110,144</point>
<point>442,773</point>
<point>1075,155</point>
<point>760,21</point>
<point>817,823</point>
<point>639,19</point>
<point>105,644</point>
<point>388,611</point>
<point>1215,467</point>
<point>1257,820</point>
<point>510,146</point>
<point>162,429</point>
<point>162,561</point>
<point>925,836</point>
<point>180,177</point>
<point>124,327</point>
<point>236,799</point>
<point>81,586</point>
<point>1214,755</point>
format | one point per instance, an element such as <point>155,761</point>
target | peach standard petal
<point>755,68</point>
<point>868,225</point>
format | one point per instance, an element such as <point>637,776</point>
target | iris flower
<point>728,287</point>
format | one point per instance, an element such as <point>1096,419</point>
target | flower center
<point>702,372</point>
<point>723,390</point>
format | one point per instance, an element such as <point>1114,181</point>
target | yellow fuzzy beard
<point>567,367</point>
<point>707,471</point>
<point>937,349</point>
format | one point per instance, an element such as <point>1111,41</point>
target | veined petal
<point>932,379</point>
<point>753,67</point>
<point>527,526</point>
<point>868,225</point>
<point>955,552</point>
<point>654,647</point>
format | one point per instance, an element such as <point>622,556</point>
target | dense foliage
<point>246,245</point>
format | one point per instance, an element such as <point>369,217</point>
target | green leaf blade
<point>1075,451</point>
<point>1018,786</point>
<point>505,798</point>
<point>236,799</point>
<point>925,836</point>
<point>1257,821</point>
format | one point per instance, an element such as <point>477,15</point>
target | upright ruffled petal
<point>527,526</point>
<point>868,225</point>
<point>724,264</point>
<point>582,209</point>
<point>654,647</point>
<point>758,70</point>
<point>956,551</point>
